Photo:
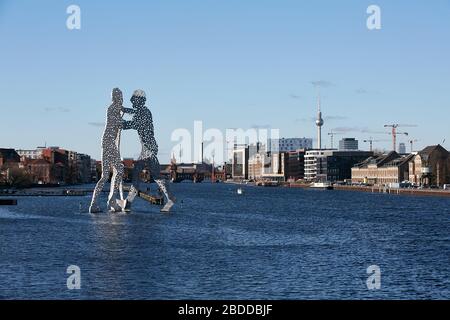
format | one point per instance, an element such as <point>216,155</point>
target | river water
<point>268,243</point>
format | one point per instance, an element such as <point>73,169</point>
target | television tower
<point>319,124</point>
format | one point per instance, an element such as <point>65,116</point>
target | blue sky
<point>228,63</point>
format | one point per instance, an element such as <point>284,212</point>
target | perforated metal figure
<point>142,122</point>
<point>111,155</point>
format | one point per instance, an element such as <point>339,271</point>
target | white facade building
<point>311,157</point>
<point>289,144</point>
<point>31,154</point>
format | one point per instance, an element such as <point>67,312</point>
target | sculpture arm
<point>150,124</point>
<point>128,110</point>
<point>126,125</point>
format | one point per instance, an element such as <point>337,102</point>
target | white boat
<point>239,191</point>
<point>322,185</point>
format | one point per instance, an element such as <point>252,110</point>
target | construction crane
<point>394,132</point>
<point>332,134</point>
<point>371,141</point>
<point>411,143</point>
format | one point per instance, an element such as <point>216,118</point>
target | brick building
<point>9,157</point>
<point>382,169</point>
<point>431,166</point>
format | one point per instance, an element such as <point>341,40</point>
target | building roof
<point>428,150</point>
<point>399,161</point>
<point>389,159</point>
<point>9,155</point>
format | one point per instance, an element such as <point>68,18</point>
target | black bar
<point>8,202</point>
<point>229,309</point>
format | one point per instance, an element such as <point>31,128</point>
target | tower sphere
<point>319,122</point>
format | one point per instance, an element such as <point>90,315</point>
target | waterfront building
<point>84,168</point>
<point>65,166</point>
<point>8,157</point>
<point>289,144</point>
<point>337,166</point>
<point>255,166</point>
<point>256,161</point>
<point>72,175</point>
<point>56,155</point>
<point>94,173</point>
<point>240,162</point>
<point>245,155</point>
<point>274,166</point>
<point>428,167</point>
<point>31,153</point>
<point>312,163</point>
<point>39,170</point>
<point>431,166</point>
<point>295,165</point>
<point>347,144</point>
<point>60,166</point>
<point>42,171</point>
<point>391,168</point>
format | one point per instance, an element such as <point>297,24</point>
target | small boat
<point>322,185</point>
<point>239,191</point>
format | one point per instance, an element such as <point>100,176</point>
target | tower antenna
<point>319,122</point>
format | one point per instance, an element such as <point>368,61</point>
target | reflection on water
<point>267,243</point>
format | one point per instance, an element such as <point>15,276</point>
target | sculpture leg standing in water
<point>142,122</point>
<point>111,155</point>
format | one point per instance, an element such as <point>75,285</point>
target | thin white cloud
<point>58,109</point>
<point>322,83</point>
<point>96,124</point>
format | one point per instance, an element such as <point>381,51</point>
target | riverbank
<point>47,192</point>
<point>373,189</point>
<point>404,191</point>
<point>370,189</point>
<point>60,191</point>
